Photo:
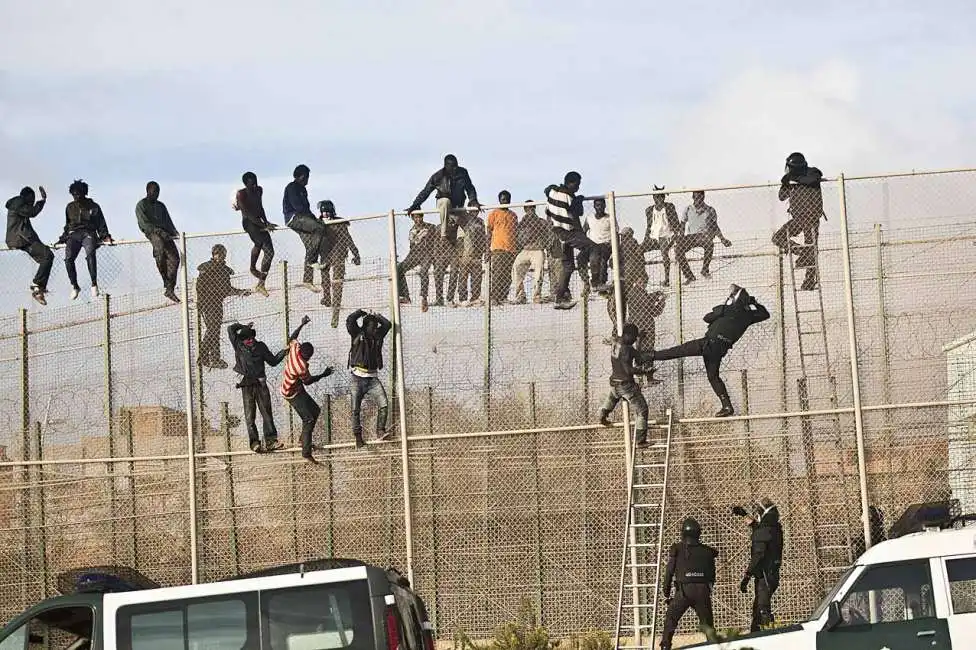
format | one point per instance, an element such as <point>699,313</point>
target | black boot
<point>726,409</point>
<point>641,435</point>
<point>604,418</point>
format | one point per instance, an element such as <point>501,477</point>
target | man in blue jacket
<point>299,217</point>
<point>726,325</point>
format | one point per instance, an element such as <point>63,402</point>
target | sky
<point>372,94</point>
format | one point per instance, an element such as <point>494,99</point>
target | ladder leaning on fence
<point>817,390</point>
<point>640,564</point>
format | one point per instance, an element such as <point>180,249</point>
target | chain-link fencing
<point>128,435</point>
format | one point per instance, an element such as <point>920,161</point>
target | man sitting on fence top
<point>451,183</point>
<point>21,236</point>
<point>155,223</point>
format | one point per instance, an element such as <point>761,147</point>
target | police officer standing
<point>691,565</point>
<point>765,559</point>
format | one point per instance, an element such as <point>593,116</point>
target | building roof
<point>926,544</point>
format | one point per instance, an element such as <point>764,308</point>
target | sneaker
<point>311,287</point>
<point>171,294</point>
<point>261,289</point>
<point>384,434</point>
<point>316,266</point>
<point>274,445</point>
<point>360,443</point>
<point>725,411</point>
<point>565,304</point>
<point>603,288</point>
<point>38,294</point>
<point>75,292</point>
<point>256,447</point>
<point>95,292</point>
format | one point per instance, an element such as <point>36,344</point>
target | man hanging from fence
<point>641,309</point>
<point>21,236</point>
<point>213,287</point>
<point>155,223</point>
<point>564,209</point>
<point>311,230</point>
<point>765,559</point>
<point>293,382</point>
<point>84,227</point>
<point>532,239</point>
<point>726,325</point>
<point>800,186</point>
<point>452,183</point>
<point>473,242</point>
<point>251,357</point>
<point>334,263</point>
<point>691,570</point>
<point>625,362</point>
<point>422,239</point>
<point>367,330</point>
<point>250,202</point>
<point>632,258</point>
<point>700,228</point>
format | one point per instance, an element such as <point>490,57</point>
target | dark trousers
<point>167,258</point>
<point>308,411</point>
<point>599,272</point>
<point>76,241</point>
<point>469,270</point>
<point>500,268</point>
<point>762,605</point>
<point>315,237</point>
<point>372,388</point>
<point>806,257</point>
<point>446,263</point>
<point>712,351</point>
<point>411,261</point>
<point>665,244</point>
<point>574,240</point>
<point>45,260</point>
<point>211,316</point>
<point>702,240</point>
<point>261,240</point>
<point>333,275</point>
<point>687,596</point>
<point>257,397</point>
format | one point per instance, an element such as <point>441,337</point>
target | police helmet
<point>690,528</point>
<point>796,160</point>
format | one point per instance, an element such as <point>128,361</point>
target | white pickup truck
<point>908,593</point>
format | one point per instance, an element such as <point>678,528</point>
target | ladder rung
<point>644,525</point>
<point>804,332</point>
<point>645,505</point>
<point>833,548</point>
<point>646,485</point>
<point>644,545</point>
<point>650,466</point>
<point>813,354</point>
<point>808,311</point>
<point>641,566</point>
<point>641,586</point>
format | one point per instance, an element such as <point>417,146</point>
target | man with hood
<point>310,229</point>
<point>726,325</point>
<point>84,227</point>
<point>625,362</point>
<point>452,183</point>
<point>213,287</point>
<point>691,568</point>
<point>251,356</point>
<point>765,558</point>
<point>155,223</point>
<point>249,202</point>
<point>334,263</point>
<point>367,330</point>
<point>800,186</point>
<point>21,236</point>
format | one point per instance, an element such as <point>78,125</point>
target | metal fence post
<point>42,515</point>
<point>885,360</point>
<point>286,307</point>
<point>109,408</point>
<point>855,376</point>
<point>401,399</point>
<point>231,496</point>
<point>188,390</point>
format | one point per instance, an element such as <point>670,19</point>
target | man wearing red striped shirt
<point>293,382</point>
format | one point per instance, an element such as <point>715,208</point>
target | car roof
<point>926,544</point>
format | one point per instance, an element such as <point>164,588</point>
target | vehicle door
<point>961,578</point>
<point>891,606</point>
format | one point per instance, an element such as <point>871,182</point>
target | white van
<point>318,605</point>
<point>912,592</point>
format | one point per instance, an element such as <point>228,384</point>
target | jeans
<point>525,261</point>
<point>413,260</point>
<point>76,241</point>
<point>712,351</point>
<point>309,412</point>
<point>632,394</point>
<point>315,236</point>
<point>45,260</point>
<point>167,258</point>
<point>372,388</point>
<point>257,397</point>
<point>261,239</point>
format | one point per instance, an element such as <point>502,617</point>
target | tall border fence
<point>498,487</point>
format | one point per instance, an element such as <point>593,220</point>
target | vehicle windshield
<point>825,603</point>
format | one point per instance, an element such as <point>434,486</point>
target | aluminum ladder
<point>830,496</point>
<point>640,563</point>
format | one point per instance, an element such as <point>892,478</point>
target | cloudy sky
<point>371,94</point>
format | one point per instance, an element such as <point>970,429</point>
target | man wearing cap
<point>452,183</point>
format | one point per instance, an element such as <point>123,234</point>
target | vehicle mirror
<point>834,617</point>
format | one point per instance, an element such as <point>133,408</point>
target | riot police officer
<point>691,565</point>
<point>765,559</point>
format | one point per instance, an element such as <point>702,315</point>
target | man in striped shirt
<point>293,382</point>
<point>564,208</point>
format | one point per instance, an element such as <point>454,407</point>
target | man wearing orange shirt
<point>501,225</point>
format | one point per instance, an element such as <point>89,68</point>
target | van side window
<point>322,617</point>
<point>214,623</point>
<point>962,584</point>
<point>886,593</point>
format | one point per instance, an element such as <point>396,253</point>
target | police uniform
<point>765,560</point>
<point>691,566</point>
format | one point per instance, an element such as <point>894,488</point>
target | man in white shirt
<point>700,223</point>
<point>598,229</point>
<point>662,228</point>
